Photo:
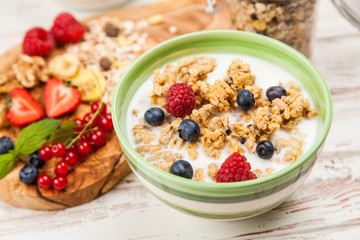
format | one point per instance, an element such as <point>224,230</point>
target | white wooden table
<point>326,207</point>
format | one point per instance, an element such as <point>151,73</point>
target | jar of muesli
<point>290,21</point>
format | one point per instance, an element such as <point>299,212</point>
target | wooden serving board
<point>103,169</point>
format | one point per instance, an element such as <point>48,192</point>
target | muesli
<point>203,109</point>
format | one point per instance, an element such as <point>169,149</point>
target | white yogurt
<point>267,75</point>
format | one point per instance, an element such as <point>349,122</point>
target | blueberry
<point>182,168</point>
<point>265,149</point>
<point>28,174</point>
<point>275,92</point>
<point>154,116</point>
<point>36,161</point>
<point>5,145</point>
<point>245,100</point>
<point>189,130</point>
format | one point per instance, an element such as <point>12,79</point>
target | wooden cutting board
<point>103,169</point>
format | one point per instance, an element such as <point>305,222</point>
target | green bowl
<point>226,200</point>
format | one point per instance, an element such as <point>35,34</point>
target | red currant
<point>73,147</point>
<point>70,157</point>
<point>59,182</point>
<point>88,117</point>
<point>84,137</point>
<point>95,106</point>
<point>83,149</point>
<point>106,123</point>
<point>98,138</point>
<point>58,149</point>
<point>79,123</point>
<point>44,181</point>
<point>61,168</point>
<point>45,153</point>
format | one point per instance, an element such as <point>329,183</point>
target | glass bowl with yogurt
<point>270,63</point>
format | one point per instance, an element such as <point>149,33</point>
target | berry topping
<point>106,123</point>
<point>189,130</point>
<point>45,153</point>
<point>235,169</point>
<point>38,42</point>
<point>60,99</point>
<point>180,100</point>
<point>23,108</point>
<point>97,138</point>
<point>61,168</point>
<point>83,149</point>
<point>6,144</point>
<point>44,181</point>
<point>79,123</point>
<point>245,100</point>
<point>28,174</point>
<point>88,117</point>
<point>58,149</point>
<point>59,182</point>
<point>154,116</point>
<point>95,106</point>
<point>70,157</point>
<point>84,137</point>
<point>182,168</point>
<point>275,92</point>
<point>36,161</point>
<point>67,29</point>
<point>265,149</point>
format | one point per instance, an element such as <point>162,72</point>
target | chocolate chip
<point>105,63</point>
<point>111,30</point>
<point>242,140</point>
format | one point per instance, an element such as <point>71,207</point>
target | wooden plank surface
<point>326,207</point>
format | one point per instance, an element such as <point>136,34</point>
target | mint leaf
<point>6,163</point>
<point>65,133</point>
<point>34,136</point>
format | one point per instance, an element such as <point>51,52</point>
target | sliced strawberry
<point>23,108</point>
<point>60,99</point>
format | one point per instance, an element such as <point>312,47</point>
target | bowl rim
<point>209,185</point>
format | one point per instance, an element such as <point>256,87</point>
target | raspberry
<point>38,42</point>
<point>235,169</point>
<point>67,29</point>
<point>180,100</point>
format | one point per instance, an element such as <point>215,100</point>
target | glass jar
<point>290,21</point>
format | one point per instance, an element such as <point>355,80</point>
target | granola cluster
<point>287,21</point>
<point>216,103</point>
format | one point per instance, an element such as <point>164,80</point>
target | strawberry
<point>23,108</point>
<point>60,99</point>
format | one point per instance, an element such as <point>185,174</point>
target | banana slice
<point>90,83</point>
<point>64,66</point>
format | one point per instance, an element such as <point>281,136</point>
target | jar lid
<point>350,9</point>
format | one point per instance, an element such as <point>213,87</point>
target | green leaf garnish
<point>34,136</point>
<point>6,163</point>
<point>65,133</point>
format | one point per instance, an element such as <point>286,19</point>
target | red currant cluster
<point>92,138</point>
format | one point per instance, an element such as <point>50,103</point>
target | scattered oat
<point>156,19</point>
<point>173,29</point>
